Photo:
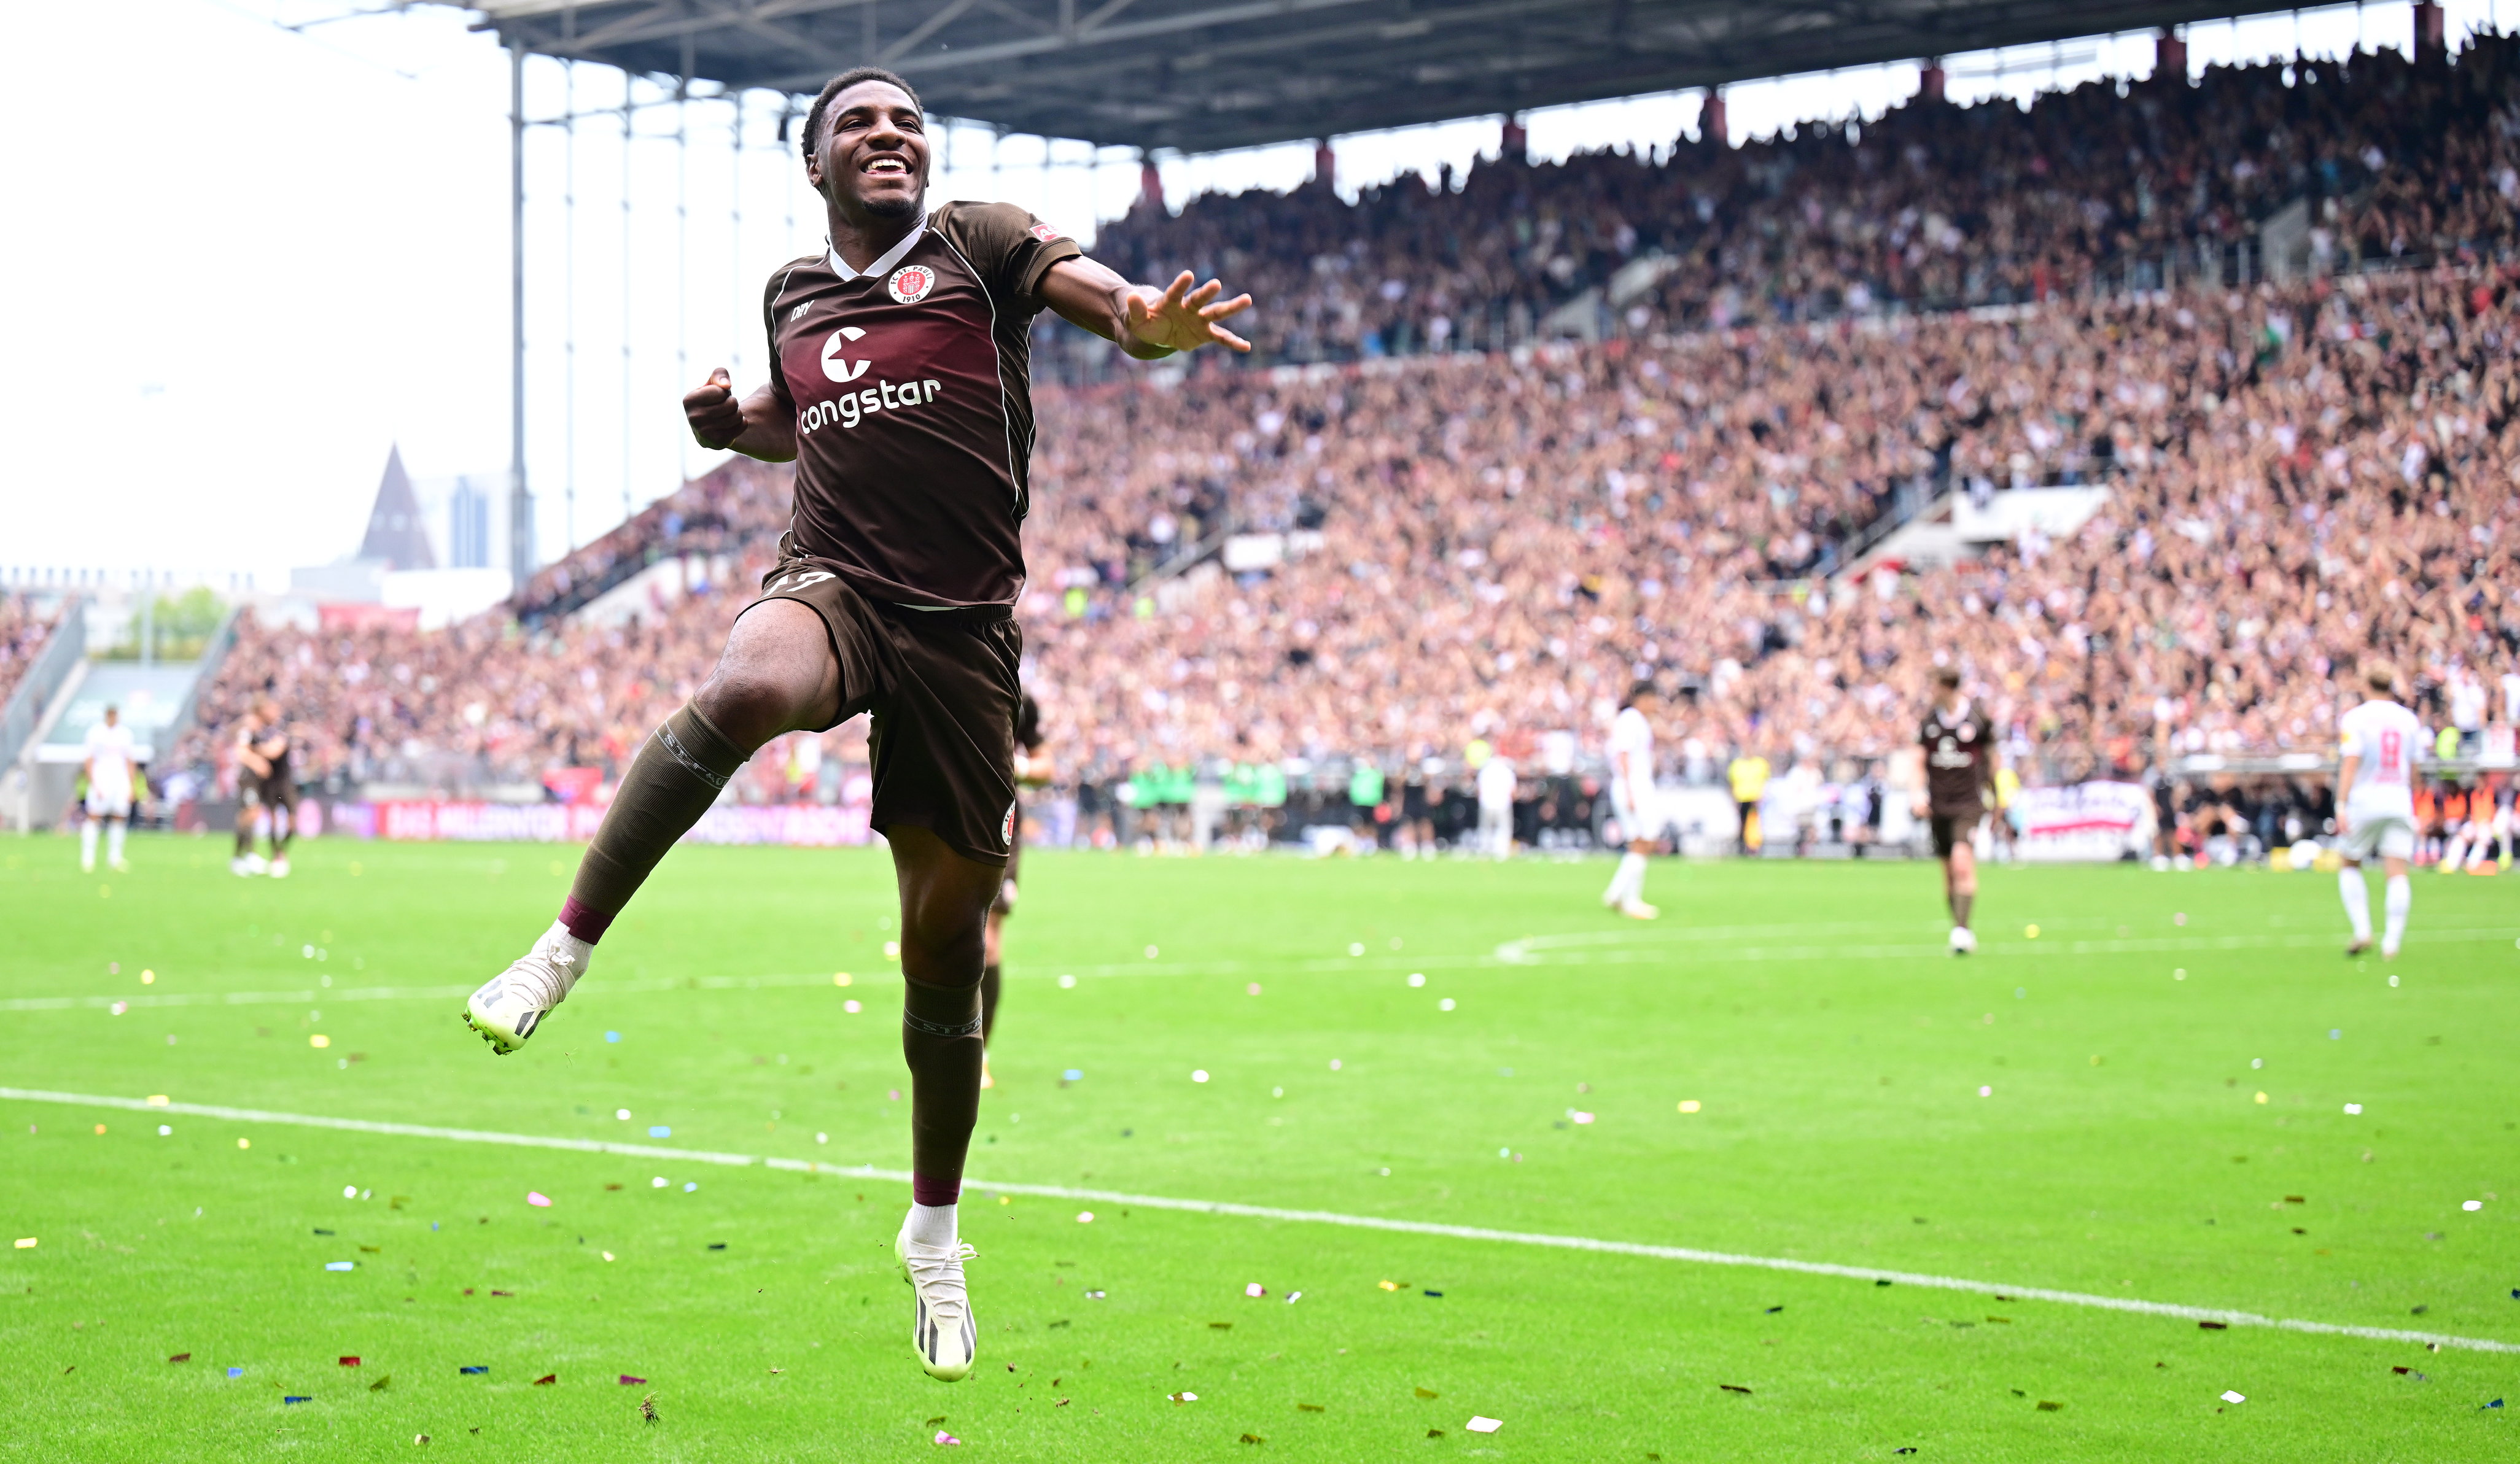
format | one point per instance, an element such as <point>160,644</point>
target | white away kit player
<point>1632,798</point>
<point>2376,811</point>
<point>110,779</point>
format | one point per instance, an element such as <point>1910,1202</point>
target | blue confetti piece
<point>1434,1293</point>
<point>1077,1075</point>
<point>2497,1404</point>
<point>340,1266</point>
<point>659,1131</point>
<point>613,1037</point>
<point>297,1398</point>
<point>483,1368</point>
<point>236,1372</point>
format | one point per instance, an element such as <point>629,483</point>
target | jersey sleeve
<point>770,331</point>
<point>1007,247</point>
<point>2349,738</point>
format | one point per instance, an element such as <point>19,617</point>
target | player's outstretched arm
<point>755,426</point>
<point>1148,323</point>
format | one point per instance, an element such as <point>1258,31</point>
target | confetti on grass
<point>1483,1425</point>
<point>181,1358</point>
<point>350,1360</point>
<point>486,1367</point>
<point>547,1379</point>
<point>2230,1396</point>
<point>628,1381</point>
<point>945,1438</point>
<point>1734,1388</point>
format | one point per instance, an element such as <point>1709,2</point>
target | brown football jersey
<point>911,385</point>
<point>1959,746</point>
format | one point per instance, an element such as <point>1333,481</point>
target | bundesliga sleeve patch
<point>911,282</point>
<point>1046,234</point>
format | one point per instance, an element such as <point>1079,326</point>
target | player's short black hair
<point>843,82</point>
<point>1641,690</point>
<point>1947,675</point>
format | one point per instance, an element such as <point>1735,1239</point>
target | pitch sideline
<point>1271,1212</point>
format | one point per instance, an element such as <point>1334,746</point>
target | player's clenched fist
<point>715,415</point>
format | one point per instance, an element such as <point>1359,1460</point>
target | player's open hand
<point>1182,318</point>
<point>715,415</point>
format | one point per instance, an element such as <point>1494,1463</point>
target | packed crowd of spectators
<point>1932,205</point>
<point>714,515</point>
<point>24,629</point>
<point>1494,545</point>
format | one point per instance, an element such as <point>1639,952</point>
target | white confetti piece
<point>1480,1424</point>
<point>537,1199</point>
<point>1084,1216</point>
<point>1255,1289</point>
<point>2353,1108</point>
<point>2230,1396</point>
<point>1199,1075</point>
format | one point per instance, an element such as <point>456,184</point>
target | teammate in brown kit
<point>1961,761</point>
<point>900,386</point>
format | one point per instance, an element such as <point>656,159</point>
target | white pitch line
<point>1582,948</point>
<point>1295,1217</point>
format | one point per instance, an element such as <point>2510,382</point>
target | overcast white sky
<point>247,260</point>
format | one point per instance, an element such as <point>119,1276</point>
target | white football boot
<point>509,1006</point>
<point>279,867</point>
<point>1963,940</point>
<point>941,1330</point>
<point>1636,909</point>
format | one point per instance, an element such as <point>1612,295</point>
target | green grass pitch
<point>1838,1058</point>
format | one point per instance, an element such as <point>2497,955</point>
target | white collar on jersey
<point>890,257</point>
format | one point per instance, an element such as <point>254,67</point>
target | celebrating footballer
<point>899,385</point>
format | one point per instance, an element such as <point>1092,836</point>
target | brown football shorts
<point>942,687</point>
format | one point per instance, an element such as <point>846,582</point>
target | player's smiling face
<point>872,161</point>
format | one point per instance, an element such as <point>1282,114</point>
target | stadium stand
<point>24,629</point>
<point>1931,207</point>
<point>1493,542</point>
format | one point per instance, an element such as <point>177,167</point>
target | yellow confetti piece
<point>1688,1106</point>
<point>319,1040</point>
<point>2030,932</point>
<point>245,1143</point>
<point>25,1242</point>
<point>841,978</point>
<point>158,1101</point>
<point>2262,1098</point>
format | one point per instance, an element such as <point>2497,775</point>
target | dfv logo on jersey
<point>839,341</point>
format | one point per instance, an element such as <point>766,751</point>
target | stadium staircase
<point>158,703</point>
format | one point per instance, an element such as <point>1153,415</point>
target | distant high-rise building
<point>396,533</point>
<point>468,527</point>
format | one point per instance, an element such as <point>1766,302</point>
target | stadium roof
<point>1200,75</point>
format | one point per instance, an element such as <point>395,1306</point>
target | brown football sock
<point>988,1001</point>
<point>1960,909</point>
<point>941,1041</point>
<point>677,775</point>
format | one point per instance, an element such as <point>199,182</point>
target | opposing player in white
<point>108,767</point>
<point>2376,814</point>
<point>1632,798</point>
<point>1496,806</point>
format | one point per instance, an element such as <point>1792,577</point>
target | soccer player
<point>899,384</point>
<point>1631,797</point>
<point>1748,776</point>
<point>1495,786</point>
<point>264,782</point>
<point>2376,809</point>
<point>1960,762</point>
<point>1032,770</point>
<point>109,768</point>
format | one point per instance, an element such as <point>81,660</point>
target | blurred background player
<point>1032,770</point>
<point>266,790</point>
<point>2377,743</point>
<point>1632,796</point>
<point>1496,785</point>
<point>110,772</point>
<point>1960,759</point>
<point>1748,776</point>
